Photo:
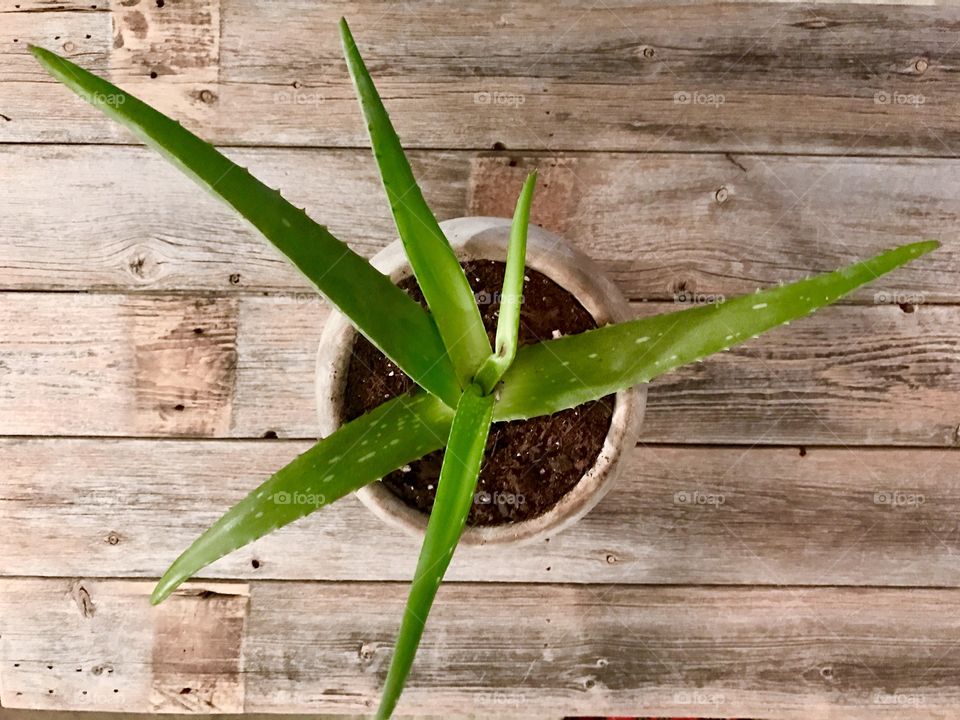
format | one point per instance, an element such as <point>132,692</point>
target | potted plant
<point>443,384</point>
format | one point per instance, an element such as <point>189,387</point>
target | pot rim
<point>486,238</point>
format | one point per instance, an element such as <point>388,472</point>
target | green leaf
<point>386,315</point>
<point>397,432</point>
<point>563,373</point>
<point>434,263</point>
<point>455,493</point>
<point>508,323</point>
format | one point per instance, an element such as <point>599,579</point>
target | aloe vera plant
<point>464,384</point>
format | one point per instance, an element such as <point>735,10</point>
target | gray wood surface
<point>135,365</point>
<point>783,542</point>
<point>625,75</point>
<point>727,652</point>
<point>679,514</point>
<point>660,224</point>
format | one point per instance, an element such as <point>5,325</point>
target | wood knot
<point>721,195</point>
<point>112,538</point>
<point>921,65</point>
<point>81,597</point>
<point>208,97</point>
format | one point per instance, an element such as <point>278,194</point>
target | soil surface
<point>528,464</point>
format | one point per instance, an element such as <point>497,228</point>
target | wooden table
<point>156,358</point>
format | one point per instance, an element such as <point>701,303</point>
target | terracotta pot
<point>476,238</point>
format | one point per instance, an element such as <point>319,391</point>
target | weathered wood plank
<point>317,647</point>
<point>763,516</point>
<point>660,224</point>
<point>613,76</point>
<point>74,364</point>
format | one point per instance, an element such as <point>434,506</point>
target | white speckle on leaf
<point>364,458</point>
<point>258,515</point>
<point>643,339</point>
<point>759,306</point>
<point>593,356</point>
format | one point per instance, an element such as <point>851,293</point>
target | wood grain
<point>103,364</point>
<point>764,516</point>
<point>624,75</point>
<point>660,224</point>
<point>778,653</point>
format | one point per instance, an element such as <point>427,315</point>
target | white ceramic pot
<point>486,238</point>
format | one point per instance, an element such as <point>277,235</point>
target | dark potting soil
<point>528,465</point>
